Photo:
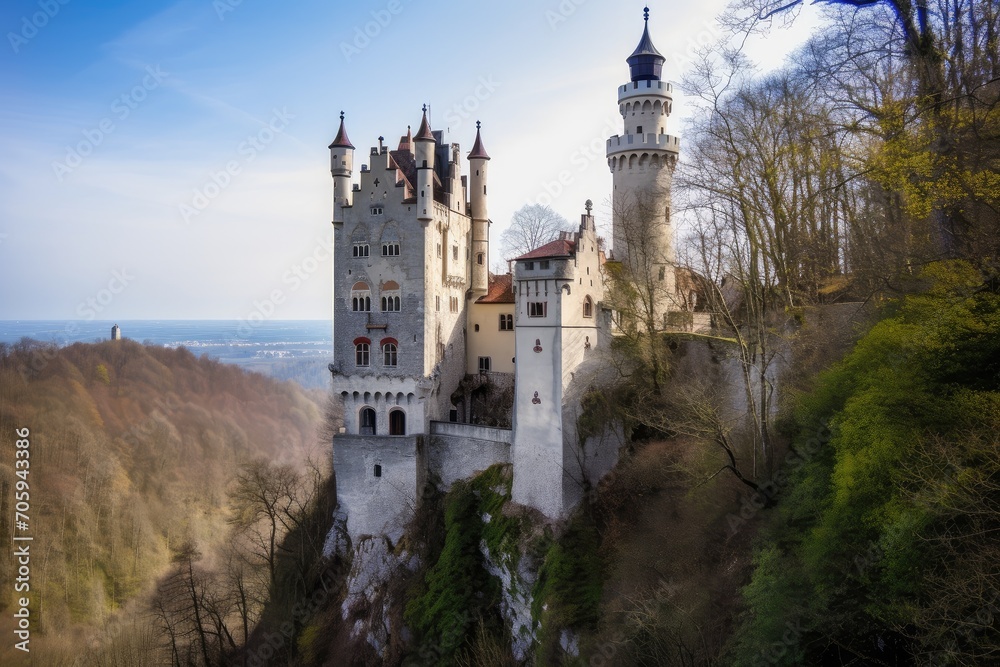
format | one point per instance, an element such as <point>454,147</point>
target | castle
<point>427,342</point>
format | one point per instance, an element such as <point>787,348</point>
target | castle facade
<point>444,369</point>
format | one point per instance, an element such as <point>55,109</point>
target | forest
<point>163,486</point>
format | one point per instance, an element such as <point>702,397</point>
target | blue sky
<point>168,159</point>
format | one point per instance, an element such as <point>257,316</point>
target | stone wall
<point>383,504</point>
<point>459,451</point>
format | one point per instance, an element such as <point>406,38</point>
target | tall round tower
<point>642,162</point>
<point>341,166</point>
<point>424,155</point>
<point>478,160</point>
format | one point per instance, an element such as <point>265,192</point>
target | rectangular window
<point>454,252</point>
<point>437,303</point>
<point>529,266</point>
<point>484,364</point>
<point>390,250</point>
<point>360,250</point>
<point>453,304</point>
<point>544,264</point>
<point>506,322</point>
<point>376,210</point>
<point>439,249</point>
<point>536,308</point>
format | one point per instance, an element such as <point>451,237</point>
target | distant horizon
<point>158,159</point>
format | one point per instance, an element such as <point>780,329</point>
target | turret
<point>478,159</point>
<point>642,160</point>
<point>341,166</point>
<point>424,155</point>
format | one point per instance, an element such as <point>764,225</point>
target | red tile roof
<point>500,290</point>
<point>557,248</point>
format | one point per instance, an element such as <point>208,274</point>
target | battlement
<point>640,88</point>
<point>635,142</point>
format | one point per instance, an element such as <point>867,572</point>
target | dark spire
<point>424,133</point>
<point>477,148</point>
<point>341,141</point>
<point>645,62</point>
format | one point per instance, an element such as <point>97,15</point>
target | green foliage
<point>567,593</point>
<point>852,550</point>
<point>456,593</point>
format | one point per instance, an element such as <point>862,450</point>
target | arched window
<point>361,298</point>
<point>588,307</point>
<point>366,421</point>
<point>389,352</point>
<point>397,422</point>
<point>362,351</point>
<point>480,259</point>
<point>390,297</point>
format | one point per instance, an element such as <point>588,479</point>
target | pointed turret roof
<point>645,62</point>
<point>424,132</point>
<point>477,148</point>
<point>341,140</point>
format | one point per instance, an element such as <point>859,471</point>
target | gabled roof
<point>407,166</point>
<point>557,248</point>
<point>500,290</point>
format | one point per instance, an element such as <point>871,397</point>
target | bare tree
<point>531,226</point>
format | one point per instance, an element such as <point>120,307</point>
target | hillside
<point>133,455</point>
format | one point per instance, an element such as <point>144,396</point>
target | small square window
<point>536,308</point>
<point>529,266</point>
<point>544,264</point>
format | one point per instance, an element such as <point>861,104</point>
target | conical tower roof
<point>646,62</point>
<point>477,148</point>
<point>341,140</point>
